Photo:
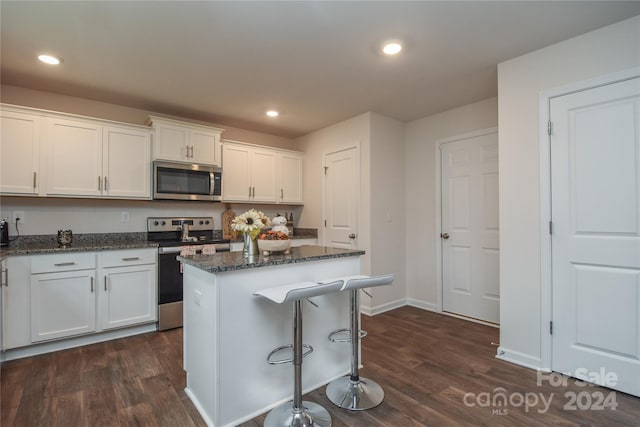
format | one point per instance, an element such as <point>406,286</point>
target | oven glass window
<point>177,181</point>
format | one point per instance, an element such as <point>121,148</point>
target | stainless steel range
<point>172,235</point>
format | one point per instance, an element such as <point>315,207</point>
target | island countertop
<point>230,261</point>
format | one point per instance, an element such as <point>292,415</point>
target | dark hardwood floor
<point>436,370</point>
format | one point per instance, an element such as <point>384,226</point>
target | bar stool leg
<point>353,392</point>
<point>300,413</point>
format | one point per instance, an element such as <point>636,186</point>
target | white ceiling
<point>316,62</point>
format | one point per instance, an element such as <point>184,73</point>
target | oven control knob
<point>164,222</point>
<point>155,222</point>
<point>207,222</point>
<point>201,222</point>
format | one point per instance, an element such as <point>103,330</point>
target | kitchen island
<point>228,332</point>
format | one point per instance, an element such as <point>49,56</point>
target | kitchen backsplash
<point>47,215</point>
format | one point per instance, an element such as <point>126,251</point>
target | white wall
<point>46,215</point>
<point>520,81</point>
<point>380,214</point>
<point>386,214</point>
<point>422,230</point>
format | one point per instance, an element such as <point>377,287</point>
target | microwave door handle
<point>212,183</point>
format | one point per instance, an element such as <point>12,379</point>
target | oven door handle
<point>224,247</point>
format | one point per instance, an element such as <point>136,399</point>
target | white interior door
<point>595,186</point>
<point>470,233</point>
<point>342,174</point>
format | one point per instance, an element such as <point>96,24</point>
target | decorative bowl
<point>268,246</point>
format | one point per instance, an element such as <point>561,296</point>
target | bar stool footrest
<point>333,336</point>
<point>307,350</point>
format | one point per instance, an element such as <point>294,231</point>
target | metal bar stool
<point>298,413</point>
<point>353,392</point>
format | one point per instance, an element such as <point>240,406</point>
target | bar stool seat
<point>298,413</point>
<point>354,392</point>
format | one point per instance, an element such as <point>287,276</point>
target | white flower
<point>251,222</point>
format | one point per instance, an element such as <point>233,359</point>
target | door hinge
<point>550,227</point>
<point>551,327</point>
<point>549,128</point>
<point>325,169</point>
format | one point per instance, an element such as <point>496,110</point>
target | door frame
<point>546,278</point>
<point>438,207</point>
<point>338,149</point>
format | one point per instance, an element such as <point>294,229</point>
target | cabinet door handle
<point>192,151</point>
<point>35,174</point>
<point>282,193</point>
<point>105,283</point>
<point>64,264</point>
<point>106,184</point>
<point>92,284</point>
<point>254,191</point>
<point>99,184</point>
<point>5,282</point>
<point>133,258</point>
<point>249,191</point>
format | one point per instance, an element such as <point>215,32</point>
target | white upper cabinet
<point>55,154</point>
<point>249,174</point>
<point>19,152</point>
<point>263,176</point>
<point>290,178</point>
<point>74,158</point>
<point>260,174</point>
<point>185,142</point>
<point>91,160</point>
<point>236,180</point>
<point>126,162</point>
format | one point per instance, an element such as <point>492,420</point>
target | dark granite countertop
<point>46,244</point>
<point>230,261</point>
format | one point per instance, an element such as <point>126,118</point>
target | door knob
<point>444,235</point>
<point>352,235</point>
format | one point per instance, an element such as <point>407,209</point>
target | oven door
<point>186,181</point>
<point>169,291</point>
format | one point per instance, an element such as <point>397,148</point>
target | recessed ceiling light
<point>272,113</point>
<point>391,48</point>
<point>49,59</point>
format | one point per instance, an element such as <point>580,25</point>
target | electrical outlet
<point>124,216</point>
<point>19,216</point>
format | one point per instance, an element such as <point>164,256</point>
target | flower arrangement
<point>251,222</point>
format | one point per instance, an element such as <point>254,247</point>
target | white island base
<point>228,334</point>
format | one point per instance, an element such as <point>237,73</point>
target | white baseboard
<point>369,311</point>
<point>48,347</point>
<point>425,305</point>
<point>518,358</point>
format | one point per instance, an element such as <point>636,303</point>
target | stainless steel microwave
<point>186,181</point>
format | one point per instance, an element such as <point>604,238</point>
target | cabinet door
<point>62,304</point>
<point>19,153</point>
<point>263,176</point>
<point>204,147</point>
<point>74,158</point>
<point>126,160</point>
<point>289,178</point>
<point>170,142</point>
<point>128,295</point>
<point>16,323</point>
<point>235,176</point>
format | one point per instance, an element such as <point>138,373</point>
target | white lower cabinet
<point>63,295</point>
<point>87,292</point>
<point>128,287</point>
<point>62,304</point>
<point>16,323</point>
